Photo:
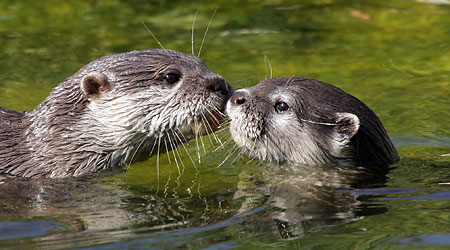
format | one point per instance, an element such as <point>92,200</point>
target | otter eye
<point>172,78</point>
<point>281,107</point>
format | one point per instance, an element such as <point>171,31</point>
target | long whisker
<point>320,123</point>
<point>135,152</point>
<point>153,148</point>
<point>201,140</point>
<point>192,36</point>
<point>238,156</point>
<point>270,66</point>
<point>224,124</point>
<point>217,111</point>
<point>203,144</point>
<point>223,145</point>
<point>251,160</point>
<point>154,37</point>
<point>167,150</point>
<point>265,68</point>
<point>177,151</point>
<point>157,163</point>
<point>184,137</point>
<point>173,152</point>
<point>287,83</point>
<point>208,129</point>
<point>185,149</point>
<point>231,152</point>
<point>196,142</point>
<point>206,32</point>
<point>242,80</point>
<point>180,160</point>
<point>206,124</point>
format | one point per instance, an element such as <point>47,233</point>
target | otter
<point>309,122</point>
<point>114,111</point>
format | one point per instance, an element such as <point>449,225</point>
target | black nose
<point>238,98</point>
<point>218,85</point>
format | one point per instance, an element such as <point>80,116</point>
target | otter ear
<point>347,125</point>
<point>95,83</point>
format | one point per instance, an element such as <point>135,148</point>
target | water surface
<point>393,55</point>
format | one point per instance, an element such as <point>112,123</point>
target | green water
<point>393,55</point>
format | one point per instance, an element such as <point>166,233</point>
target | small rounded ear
<point>95,83</point>
<point>347,125</point>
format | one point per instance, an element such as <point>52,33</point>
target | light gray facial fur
<point>308,122</point>
<point>112,112</point>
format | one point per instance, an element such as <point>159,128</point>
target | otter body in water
<point>112,112</point>
<point>309,122</point>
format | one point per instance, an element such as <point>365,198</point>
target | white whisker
<point>224,144</point>
<point>177,151</point>
<point>207,131</point>
<point>157,164</point>
<point>287,83</point>
<point>173,152</point>
<point>167,150</point>
<point>153,148</point>
<point>237,157</point>
<point>196,142</point>
<point>203,144</point>
<point>135,152</point>
<point>154,37</point>
<point>206,32</point>
<point>266,60</point>
<point>233,149</point>
<point>192,37</point>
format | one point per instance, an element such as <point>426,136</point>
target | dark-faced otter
<point>309,122</point>
<point>112,112</point>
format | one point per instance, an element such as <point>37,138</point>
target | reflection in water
<point>277,202</point>
<point>286,201</point>
<point>303,200</point>
<point>95,210</point>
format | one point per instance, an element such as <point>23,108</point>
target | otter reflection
<point>305,200</point>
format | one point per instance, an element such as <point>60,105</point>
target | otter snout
<point>219,85</point>
<point>238,98</point>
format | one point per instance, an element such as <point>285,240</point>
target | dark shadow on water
<point>23,229</point>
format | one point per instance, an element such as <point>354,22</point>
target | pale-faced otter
<point>115,110</point>
<point>309,122</point>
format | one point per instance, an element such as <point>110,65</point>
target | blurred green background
<point>392,55</point>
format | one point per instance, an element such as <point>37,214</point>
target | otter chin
<point>309,122</point>
<point>116,110</point>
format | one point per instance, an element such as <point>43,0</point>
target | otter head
<point>308,122</point>
<point>154,92</point>
<point>145,98</point>
<point>125,107</point>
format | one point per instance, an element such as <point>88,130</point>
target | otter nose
<point>238,98</point>
<point>218,85</point>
